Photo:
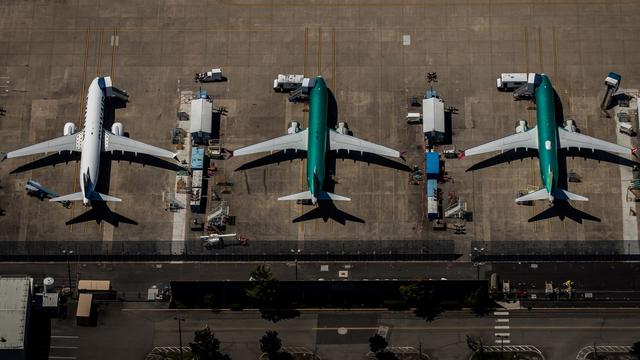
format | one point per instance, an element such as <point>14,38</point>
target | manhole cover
<point>343,331</point>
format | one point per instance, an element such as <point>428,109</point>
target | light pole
<point>295,259</point>
<point>179,333</point>
<point>477,253</point>
<point>68,254</point>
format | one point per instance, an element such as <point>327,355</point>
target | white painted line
<point>63,357</point>
<point>503,341</point>
<point>501,327</point>
<point>502,334</point>
<point>502,320</point>
<point>63,347</point>
<point>501,313</point>
<point>65,337</point>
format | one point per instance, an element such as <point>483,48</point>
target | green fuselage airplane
<point>547,137</point>
<point>317,140</point>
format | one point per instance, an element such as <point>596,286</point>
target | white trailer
<point>433,119</point>
<point>511,81</point>
<point>287,82</point>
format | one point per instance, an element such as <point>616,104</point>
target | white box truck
<point>511,81</point>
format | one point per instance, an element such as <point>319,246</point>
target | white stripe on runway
<point>64,337</point>
<point>63,357</point>
<point>503,341</point>
<point>502,334</point>
<point>63,347</point>
<point>501,313</point>
<point>502,320</point>
<point>499,327</point>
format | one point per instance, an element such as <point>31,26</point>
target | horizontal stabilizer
<point>78,196</point>
<point>96,196</point>
<point>306,195</point>
<point>329,196</point>
<point>558,194</point>
<point>565,195</point>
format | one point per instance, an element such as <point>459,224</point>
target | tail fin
<point>558,194</point>
<point>78,196</point>
<point>323,195</point>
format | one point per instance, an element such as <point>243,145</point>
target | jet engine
<point>521,126</point>
<point>117,128</point>
<point>342,128</point>
<point>69,128</point>
<point>294,127</point>
<point>570,125</point>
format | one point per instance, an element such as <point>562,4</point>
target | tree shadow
<point>100,212</point>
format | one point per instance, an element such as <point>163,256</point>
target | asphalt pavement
<point>558,334</point>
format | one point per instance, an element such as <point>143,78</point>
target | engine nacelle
<point>294,127</point>
<point>342,128</point>
<point>69,128</point>
<point>521,126</point>
<point>570,125</point>
<point>117,128</point>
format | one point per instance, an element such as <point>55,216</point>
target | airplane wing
<point>576,140</point>
<point>113,142</point>
<point>296,141</point>
<point>350,143</point>
<point>527,139</point>
<point>64,143</point>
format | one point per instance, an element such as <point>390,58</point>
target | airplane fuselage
<point>547,135</point>
<point>92,140</point>
<point>318,135</point>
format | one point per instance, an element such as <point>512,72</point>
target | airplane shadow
<point>326,210</point>
<point>505,157</point>
<point>100,212</point>
<point>562,209</point>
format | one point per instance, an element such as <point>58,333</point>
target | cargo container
<point>84,315</point>
<point>432,160</point>
<point>432,208</point>
<point>433,120</point>
<point>197,158</point>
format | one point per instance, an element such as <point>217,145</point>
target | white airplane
<point>91,142</point>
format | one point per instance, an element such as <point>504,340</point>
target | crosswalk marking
<point>502,334</point>
<point>503,341</point>
<point>502,320</point>
<point>501,327</point>
<point>501,313</point>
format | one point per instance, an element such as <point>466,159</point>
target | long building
<point>15,297</point>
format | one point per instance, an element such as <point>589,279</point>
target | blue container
<point>432,187</point>
<point>197,158</point>
<point>433,164</point>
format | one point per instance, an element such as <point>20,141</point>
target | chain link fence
<point>195,250</point>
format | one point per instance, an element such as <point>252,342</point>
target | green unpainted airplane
<point>547,137</point>
<point>317,140</point>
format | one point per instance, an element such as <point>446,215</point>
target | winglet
<point>461,155</point>
<point>4,156</point>
<point>634,151</point>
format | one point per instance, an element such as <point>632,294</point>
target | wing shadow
<point>562,209</point>
<point>327,210</point>
<point>505,157</point>
<point>275,158</point>
<point>99,212</point>
<point>597,155</point>
<point>144,160</point>
<point>370,159</point>
<point>50,160</point>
